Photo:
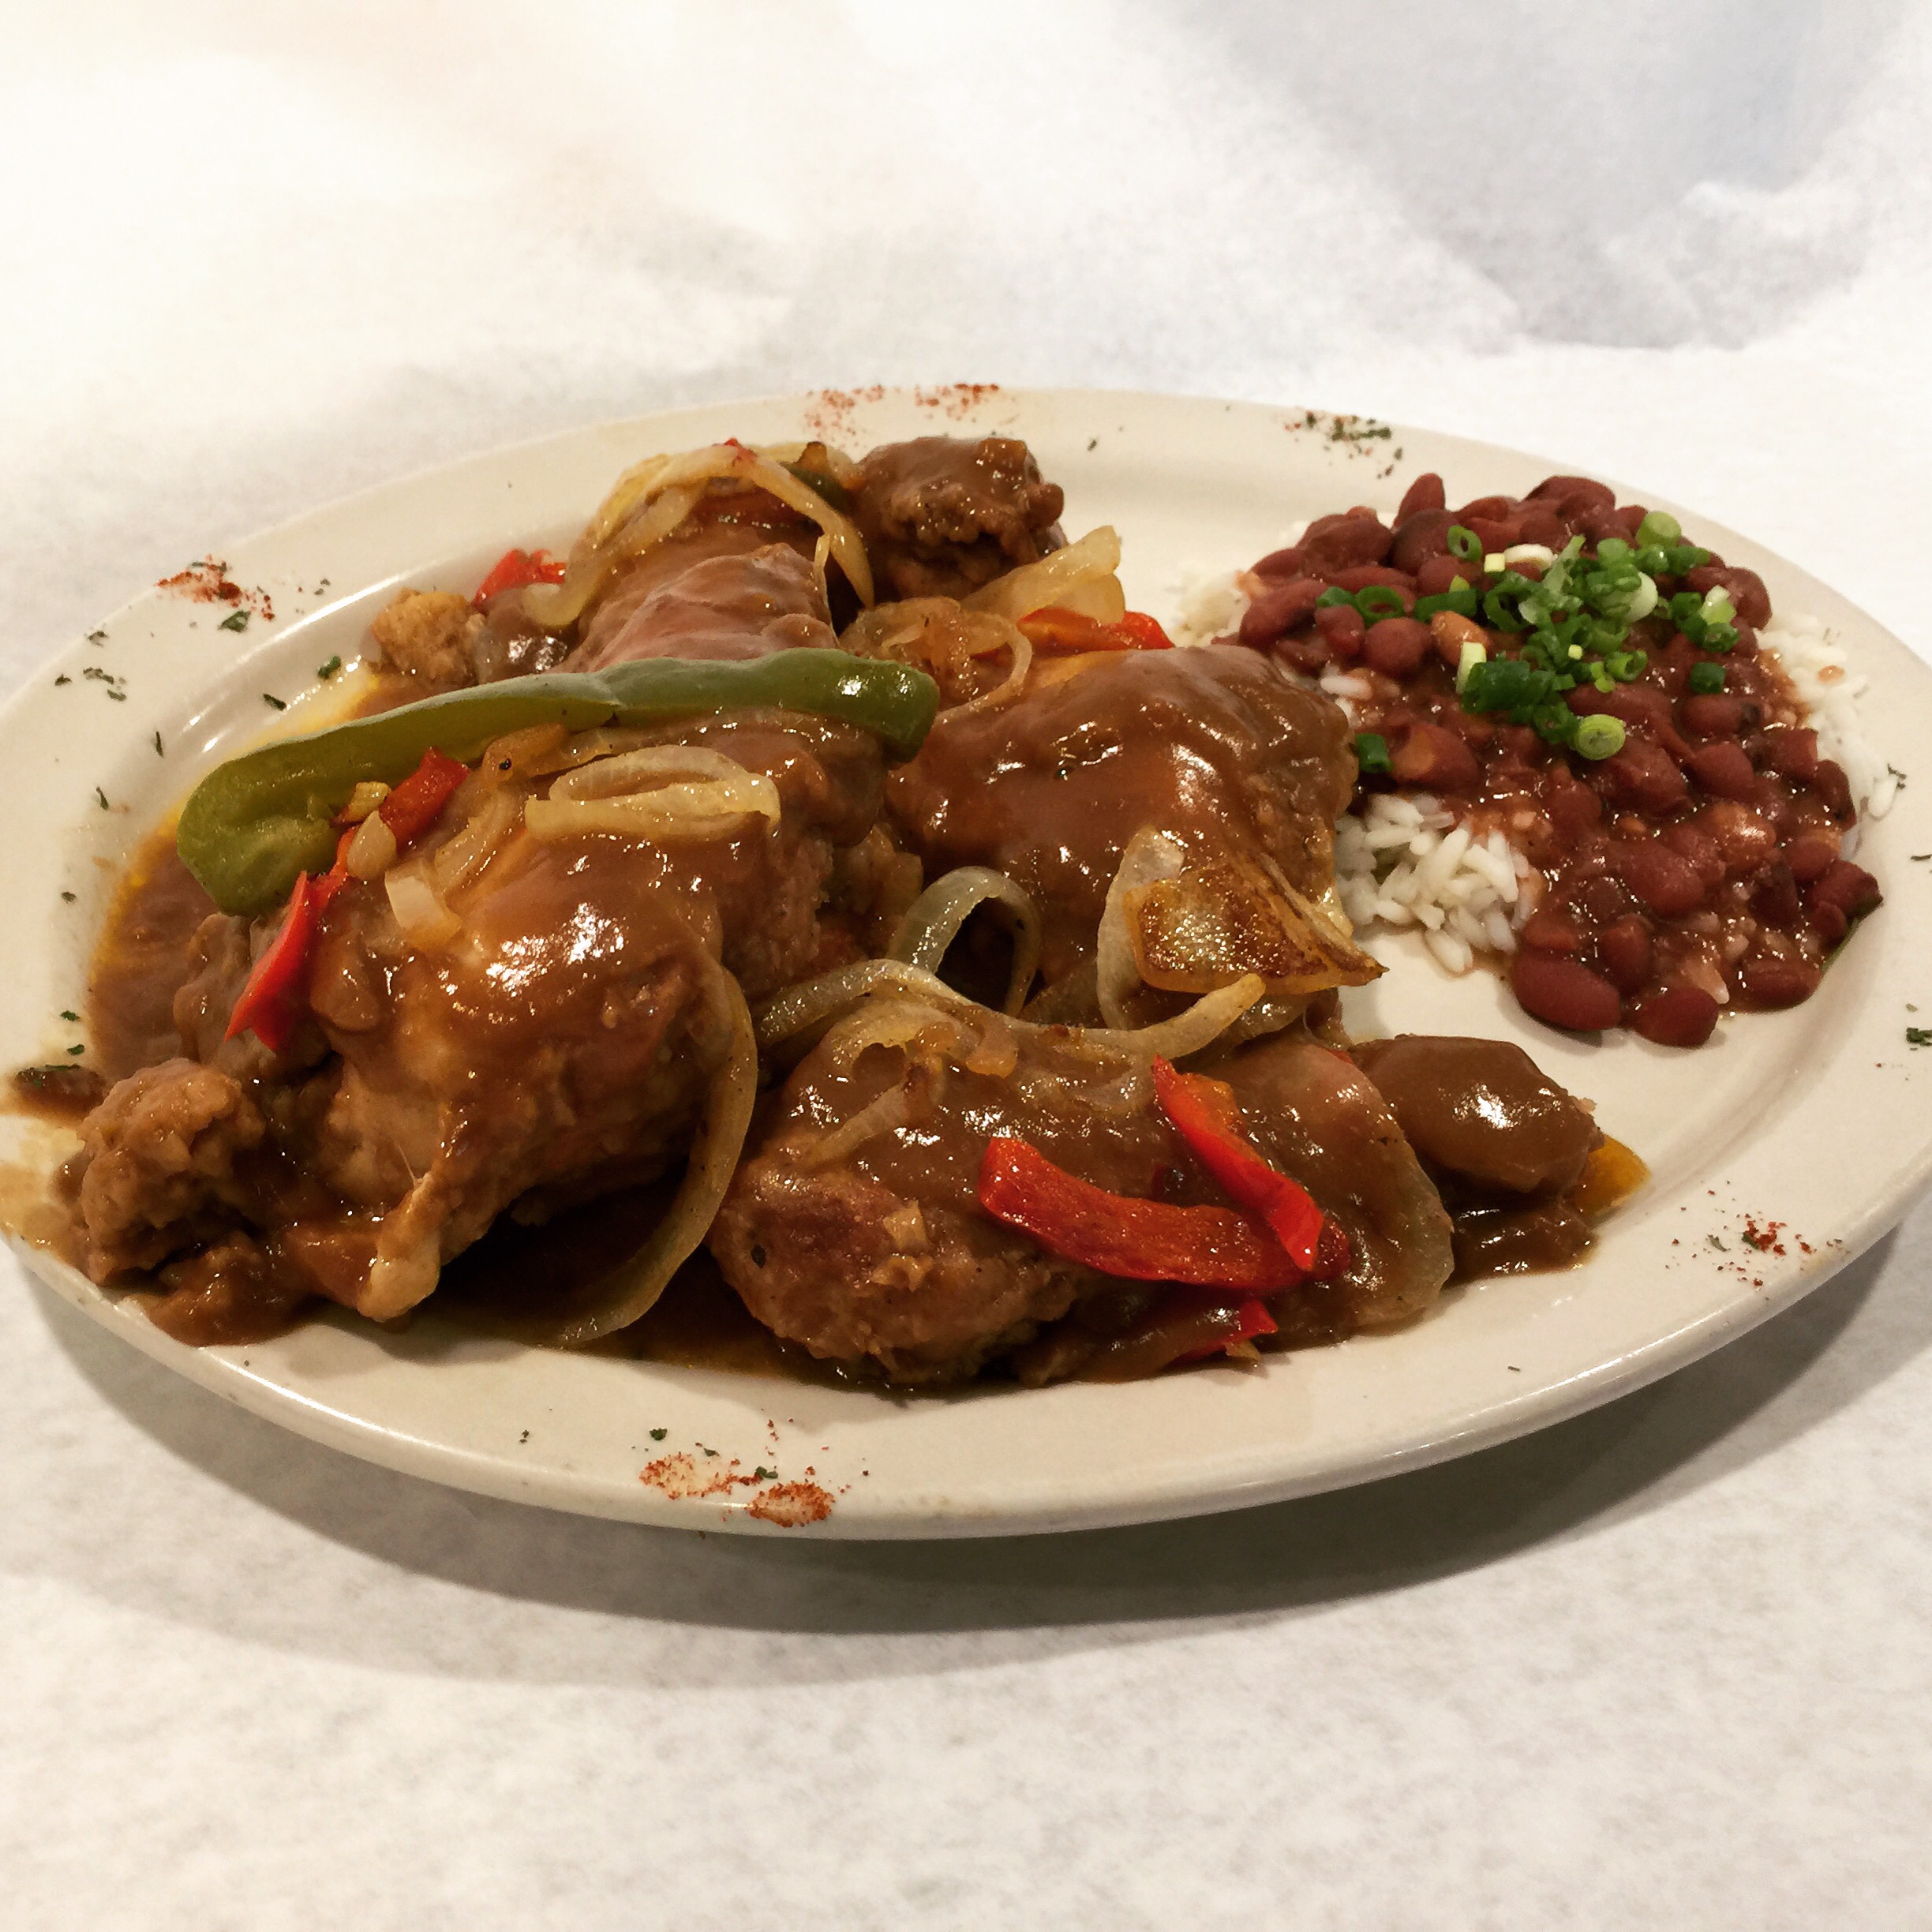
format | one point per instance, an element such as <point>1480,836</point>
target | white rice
<point>1820,669</point>
<point>1404,860</point>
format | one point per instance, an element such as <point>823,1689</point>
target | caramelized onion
<point>812,1001</point>
<point>427,922</point>
<point>933,922</point>
<point>459,859</point>
<point>632,1290</point>
<point>652,498</point>
<point>606,796</point>
<point>1078,576</point>
<point>892,1109</point>
<point>1151,854</point>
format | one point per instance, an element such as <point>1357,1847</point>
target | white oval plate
<point>1818,1120</point>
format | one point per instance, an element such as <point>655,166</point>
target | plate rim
<point>218,1371</point>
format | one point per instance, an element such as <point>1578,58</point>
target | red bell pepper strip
<point>1206,1116</point>
<point>277,990</point>
<point>417,803</point>
<point>514,569</point>
<point>1138,1240</point>
<point>1251,1319</point>
<point>1060,629</point>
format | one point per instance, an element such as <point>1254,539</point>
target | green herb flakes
<point>235,621</point>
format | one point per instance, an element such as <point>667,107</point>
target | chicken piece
<point>942,516</point>
<point>158,1168</point>
<point>559,1044</point>
<point>1215,746</point>
<point>427,635</point>
<point>855,1227</point>
<point>1507,1146</point>
<point>723,603</point>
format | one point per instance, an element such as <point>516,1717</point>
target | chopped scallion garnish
<point>1706,679</point>
<point>1371,753</point>
<point>1600,737</point>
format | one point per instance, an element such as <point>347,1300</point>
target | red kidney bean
<point>1694,844</point>
<point>1432,756</point>
<point>1551,929</point>
<point>1563,993</point>
<point>1632,517</point>
<point>1832,785</point>
<point>1644,777</point>
<point>1491,507</point>
<point>1278,609</point>
<point>1642,707</point>
<point>1723,770</point>
<point>1673,662</point>
<point>1791,752</point>
<point>1745,839</point>
<point>1419,539</point>
<point>1283,564</point>
<point>1434,574</point>
<point>1811,856</point>
<point>1665,881</point>
<point>1537,524</point>
<point>1599,525</point>
<point>1748,595</point>
<point>1774,897</point>
<point>1397,646</point>
<point>1768,982</point>
<point>1602,901</point>
<point>1574,809</point>
<point>1307,654</point>
<point>1496,533</point>
<point>1579,492</point>
<point>1830,923</point>
<point>1712,714</point>
<point>1342,631</point>
<point>1365,576</point>
<point>1425,493</point>
<point>1625,950</point>
<point>1678,1015</point>
<point>1849,887</point>
<point>1335,543</point>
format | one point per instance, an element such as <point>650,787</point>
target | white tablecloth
<point>1666,1665</point>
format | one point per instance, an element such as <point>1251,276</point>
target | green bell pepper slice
<point>252,826</point>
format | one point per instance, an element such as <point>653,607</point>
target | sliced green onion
<point>1495,564</point>
<point>1499,613</point>
<point>1612,550</point>
<point>1474,652</point>
<point>1334,594</point>
<point>1371,753</point>
<point>1464,543</point>
<point>1719,637</point>
<point>1717,608</point>
<point>1599,737</point>
<point>1659,526</point>
<point>1379,600</point>
<point>1458,597</point>
<point>1707,678</point>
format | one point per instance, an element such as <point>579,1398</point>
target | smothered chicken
<point>826,842</point>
